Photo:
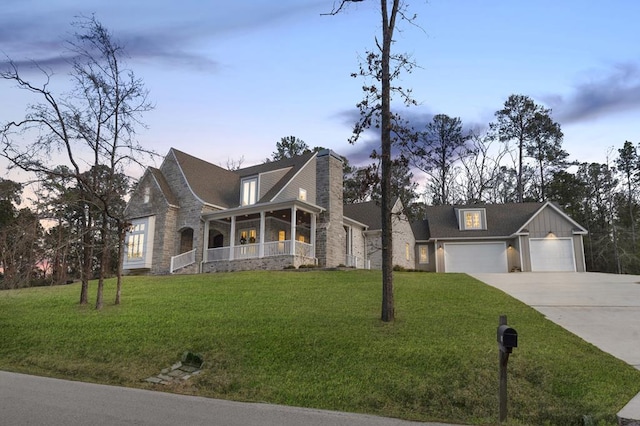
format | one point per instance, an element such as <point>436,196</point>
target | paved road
<point>31,400</point>
<point>603,309</point>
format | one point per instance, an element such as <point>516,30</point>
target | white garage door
<point>479,257</point>
<point>552,255</point>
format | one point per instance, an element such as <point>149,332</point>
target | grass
<point>314,339</point>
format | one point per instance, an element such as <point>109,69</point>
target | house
<point>191,216</point>
<point>499,238</point>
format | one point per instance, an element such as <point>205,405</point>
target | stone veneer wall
<point>188,216</point>
<point>165,218</point>
<point>330,236</point>
<point>264,263</point>
<point>402,236</point>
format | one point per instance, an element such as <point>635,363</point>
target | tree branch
<point>337,10</point>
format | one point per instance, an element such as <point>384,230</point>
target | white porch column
<point>293,230</point>
<point>349,258</point>
<point>262,225</point>
<point>205,245</point>
<point>313,235</point>
<point>232,238</point>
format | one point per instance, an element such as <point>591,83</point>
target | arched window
<point>216,239</point>
<point>186,240</point>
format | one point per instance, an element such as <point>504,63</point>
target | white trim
<point>462,223</point>
<point>145,261</point>
<point>581,229</point>
<point>256,190</point>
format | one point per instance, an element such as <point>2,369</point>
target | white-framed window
<point>146,197</point>
<point>135,241</point>
<point>472,219</point>
<point>139,243</point>
<point>302,194</point>
<point>249,191</point>
<point>423,254</point>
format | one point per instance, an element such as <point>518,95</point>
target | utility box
<point>507,338</point>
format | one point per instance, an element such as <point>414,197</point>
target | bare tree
<point>233,164</point>
<point>436,150</point>
<point>481,169</point>
<point>98,117</point>
<point>375,109</point>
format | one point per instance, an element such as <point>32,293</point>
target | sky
<point>230,78</point>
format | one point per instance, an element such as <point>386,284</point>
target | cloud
<point>417,119</point>
<point>616,90</point>
<point>169,33</point>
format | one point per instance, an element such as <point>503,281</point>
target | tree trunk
<point>87,256</point>
<point>631,219</point>
<point>388,22</point>
<point>519,183</point>
<point>104,261</point>
<point>121,235</point>
<point>542,194</point>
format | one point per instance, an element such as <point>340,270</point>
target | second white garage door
<point>479,257</point>
<point>552,255</point>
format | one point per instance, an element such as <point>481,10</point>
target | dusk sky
<point>229,79</point>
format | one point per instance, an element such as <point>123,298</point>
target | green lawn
<point>314,339</point>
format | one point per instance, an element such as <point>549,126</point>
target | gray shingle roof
<point>164,186</point>
<point>211,183</point>
<point>503,220</point>
<point>221,187</point>
<point>367,213</point>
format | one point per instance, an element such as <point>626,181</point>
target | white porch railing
<point>252,251</point>
<point>182,260</point>
<point>246,251</point>
<point>277,248</point>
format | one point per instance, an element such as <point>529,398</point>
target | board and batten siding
<point>305,179</point>
<point>546,222</point>
<point>549,220</point>
<point>269,179</point>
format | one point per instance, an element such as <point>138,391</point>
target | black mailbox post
<point>507,340</point>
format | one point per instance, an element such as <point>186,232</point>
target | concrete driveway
<point>603,309</point>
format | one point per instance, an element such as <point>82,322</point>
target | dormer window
<point>249,190</point>
<point>472,219</point>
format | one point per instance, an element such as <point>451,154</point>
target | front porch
<point>265,236</point>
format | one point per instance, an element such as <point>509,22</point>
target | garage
<point>552,255</point>
<point>475,257</point>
